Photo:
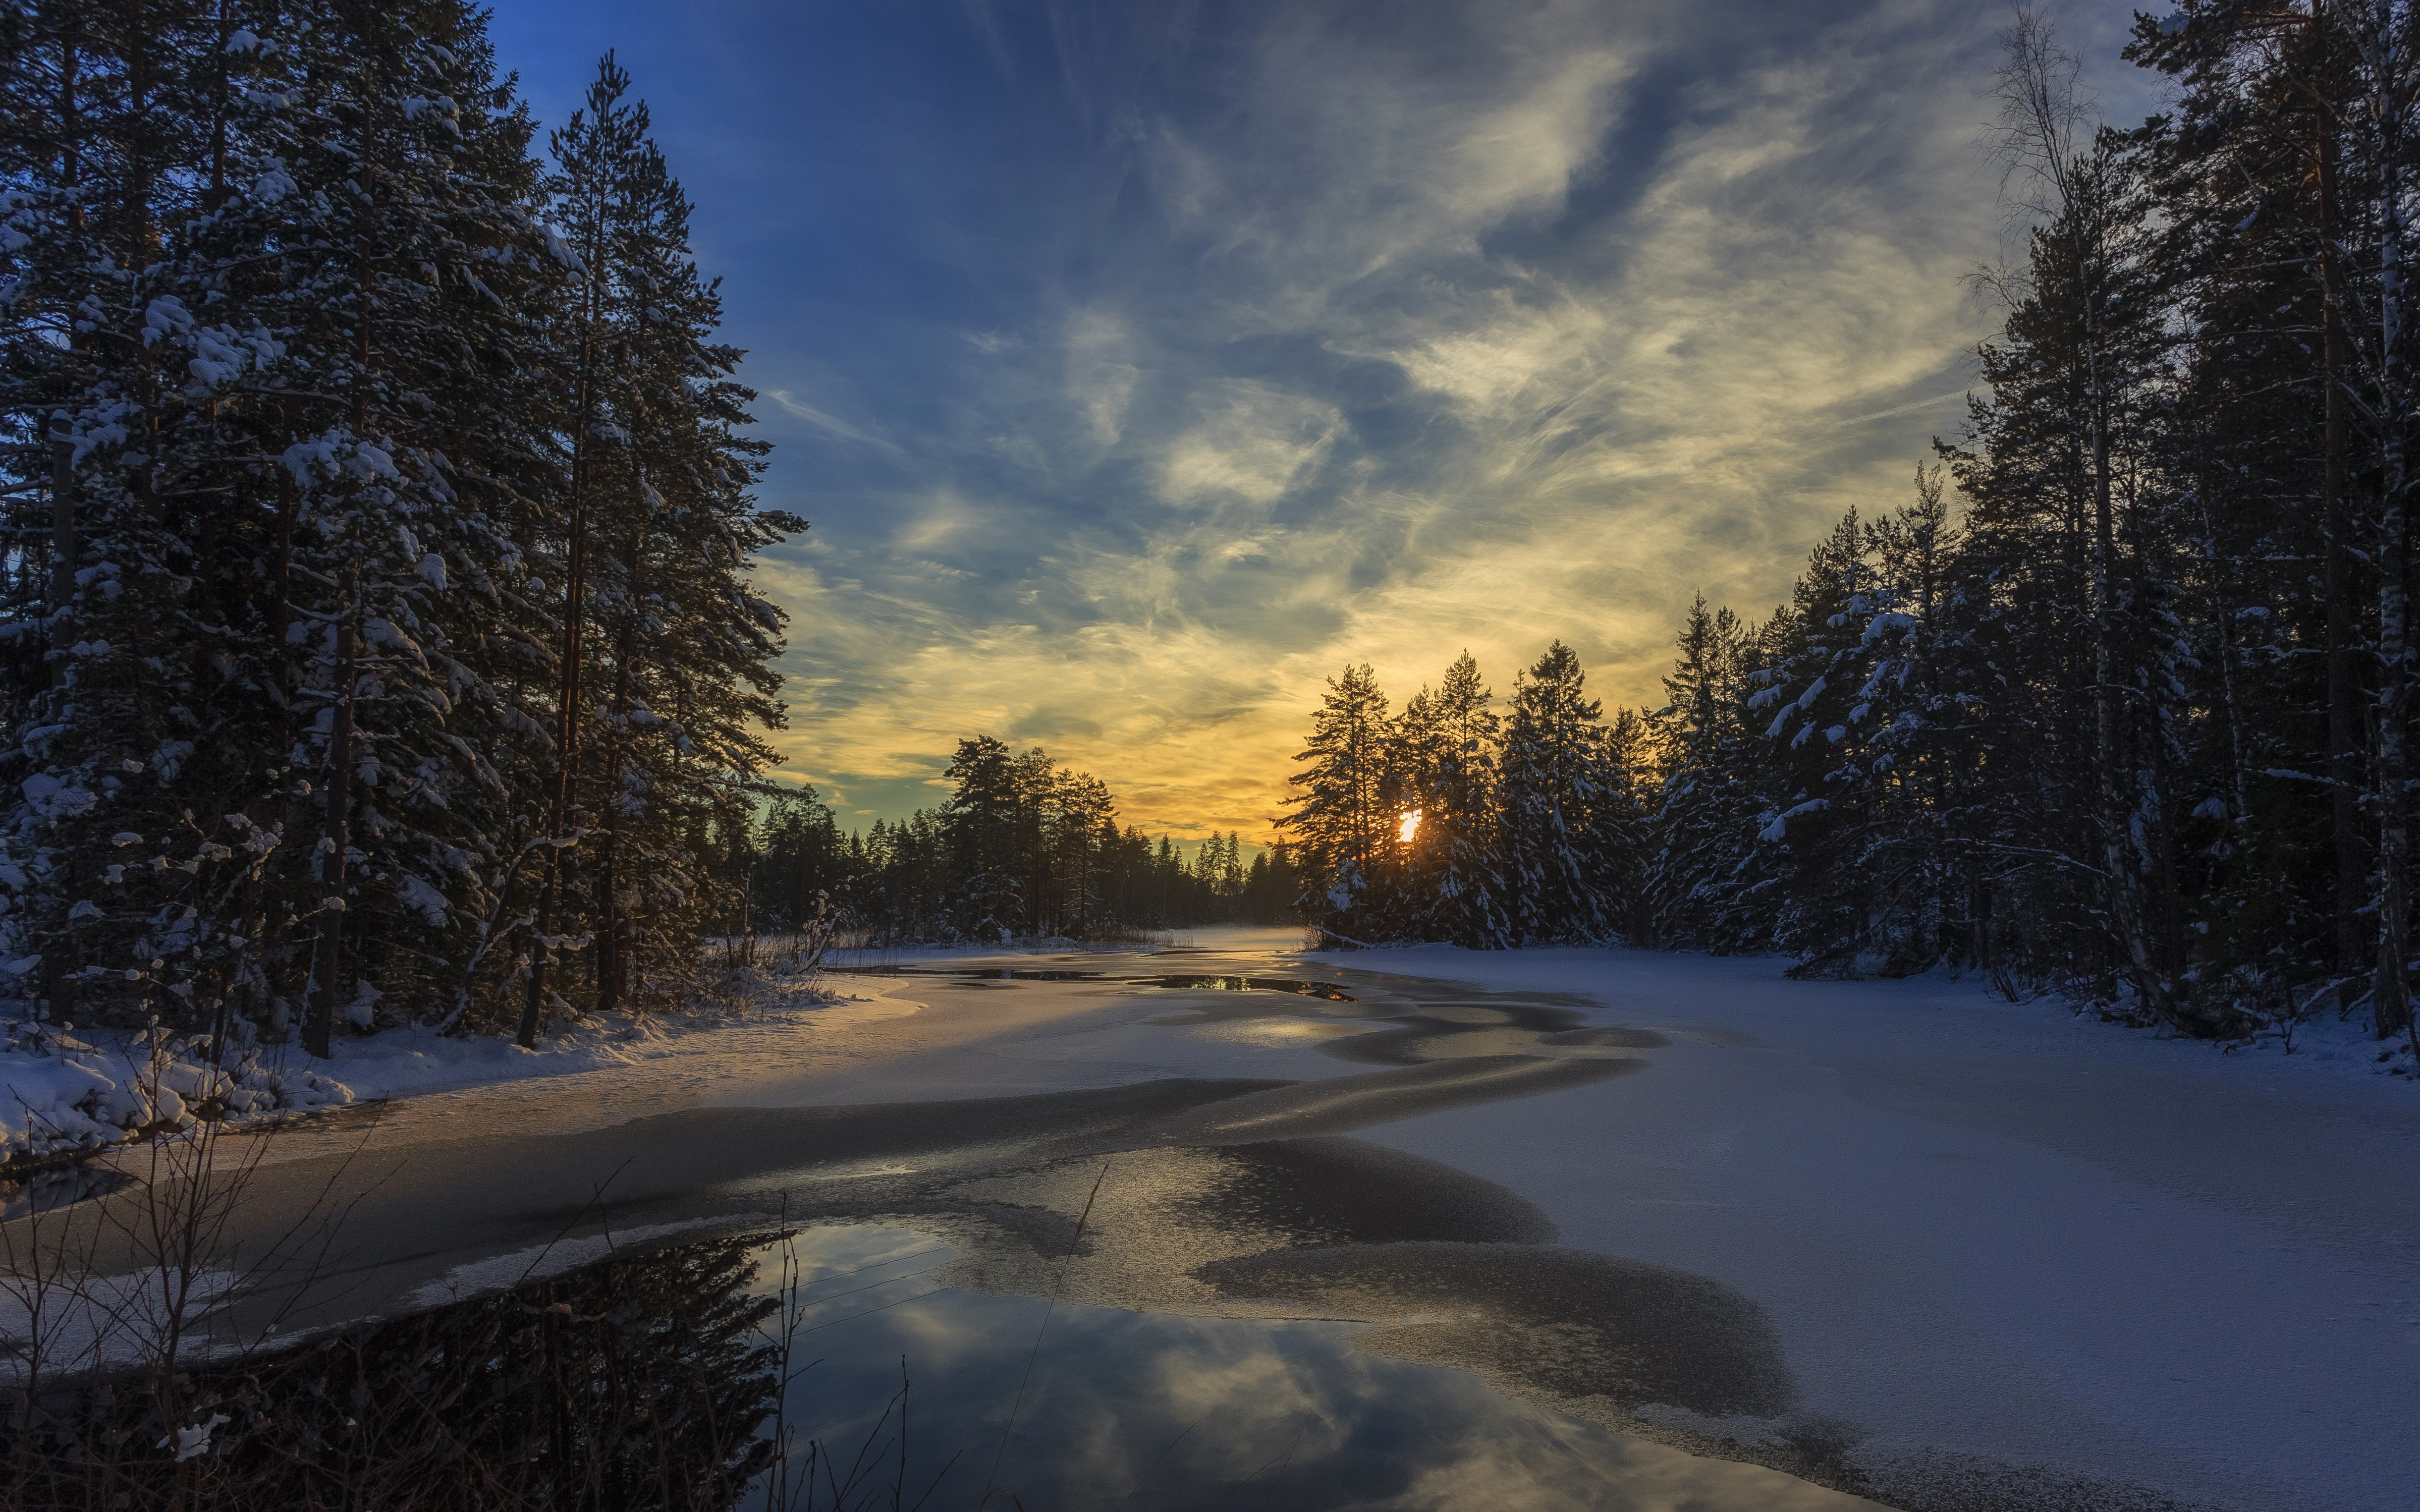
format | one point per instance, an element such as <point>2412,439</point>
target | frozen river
<point>1427,1229</point>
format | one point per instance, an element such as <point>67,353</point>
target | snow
<point>195,1441</point>
<point>502,1272</point>
<point>404,1062</point>
<point>1996,1228</point>
<point>1979,1227</point>
<point>64,1091</point>
<point>103,1322</point>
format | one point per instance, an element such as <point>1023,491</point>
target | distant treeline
<point>1024,849</point>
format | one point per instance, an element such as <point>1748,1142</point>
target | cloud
<point>1325,334</point>
<point>823,420</point>
<point>1252,442</point>
<point>1907,409</point>
<point>1100,380</point>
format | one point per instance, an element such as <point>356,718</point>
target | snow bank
<point>63,1091</point>
<point>417,1058</point>
<point>98,1322</point>
<point>1997,1230</point>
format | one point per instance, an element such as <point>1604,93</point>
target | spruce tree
<point>289,356</point>
<point>1340,825</point>
<point>1556,816</point>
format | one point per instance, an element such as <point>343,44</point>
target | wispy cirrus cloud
<point>1140,370</point>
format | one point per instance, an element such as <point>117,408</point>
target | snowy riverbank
<point>1993,1228</point>
<point>1998,1242</point>
<point>66,1090</point>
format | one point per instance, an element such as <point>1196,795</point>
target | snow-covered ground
<point>1997,1228</point>
<point>75,1090</point>
<point>64,1091</point>
<point>1983,1227</point>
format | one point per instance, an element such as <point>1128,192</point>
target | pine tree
<point>1555,805</point>
<point>1709,799</point>
<point>1457,878</point>
<point>1339,824</point>
<point>288,338</point>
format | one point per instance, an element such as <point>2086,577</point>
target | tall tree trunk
<point>609,919</point>
<point>335,833</point>
<point>142,244</point>
<point>2116,857</point>
<point>2391,996</point>
<point>566,758</point>
<point>58,988</point>
<point>219,102</point>
<point>65,548</point>
<point>2344,691</point>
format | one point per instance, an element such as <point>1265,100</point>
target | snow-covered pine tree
<point>100,422</point>
<point>675,648</point>
<point>1415,744</point>
<point>407,290</point>
<point>1868,762</point>
<point>1457,798</point>
<point>1929,897</point>
<point>1707,814</point>
<point>277,665</point>
<point>1339,826</point>
<point>982,825</point>
<point>1557,836</point>
<point>1080,820</point>
<point>1625,817</point>
<point>1815,844</point>
<point>315,213</point>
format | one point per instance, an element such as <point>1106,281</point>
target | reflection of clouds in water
<point>827,1252</point>
<point>1181,1413</point>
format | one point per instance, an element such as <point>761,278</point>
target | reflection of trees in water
<point>639,1382</point>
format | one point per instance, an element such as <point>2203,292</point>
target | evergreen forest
<point>377,635</point>
<point>2116,700</point>
<point>1024,849</point>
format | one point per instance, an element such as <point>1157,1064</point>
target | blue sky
<point>1139,364</point>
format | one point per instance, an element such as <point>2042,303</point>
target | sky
<point>1141,363</point>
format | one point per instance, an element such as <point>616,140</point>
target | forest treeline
<point>2116,700</point>
<point>1025,848</point>
<point>376,631</point>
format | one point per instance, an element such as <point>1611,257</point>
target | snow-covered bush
<point>62,1091</point>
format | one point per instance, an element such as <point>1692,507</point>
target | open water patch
<point>832,1366</point>
<point>58,1187</point>
<point>1181,981</point>
<point>1214,983</point>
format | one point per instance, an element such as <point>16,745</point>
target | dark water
<point>656,1379</point>
<point>61,1186</point>
<point>1126,1407</point>
<point>1327,990</point>
<point>1195,982</point>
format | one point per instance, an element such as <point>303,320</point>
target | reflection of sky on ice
<point>1149,1410</point>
